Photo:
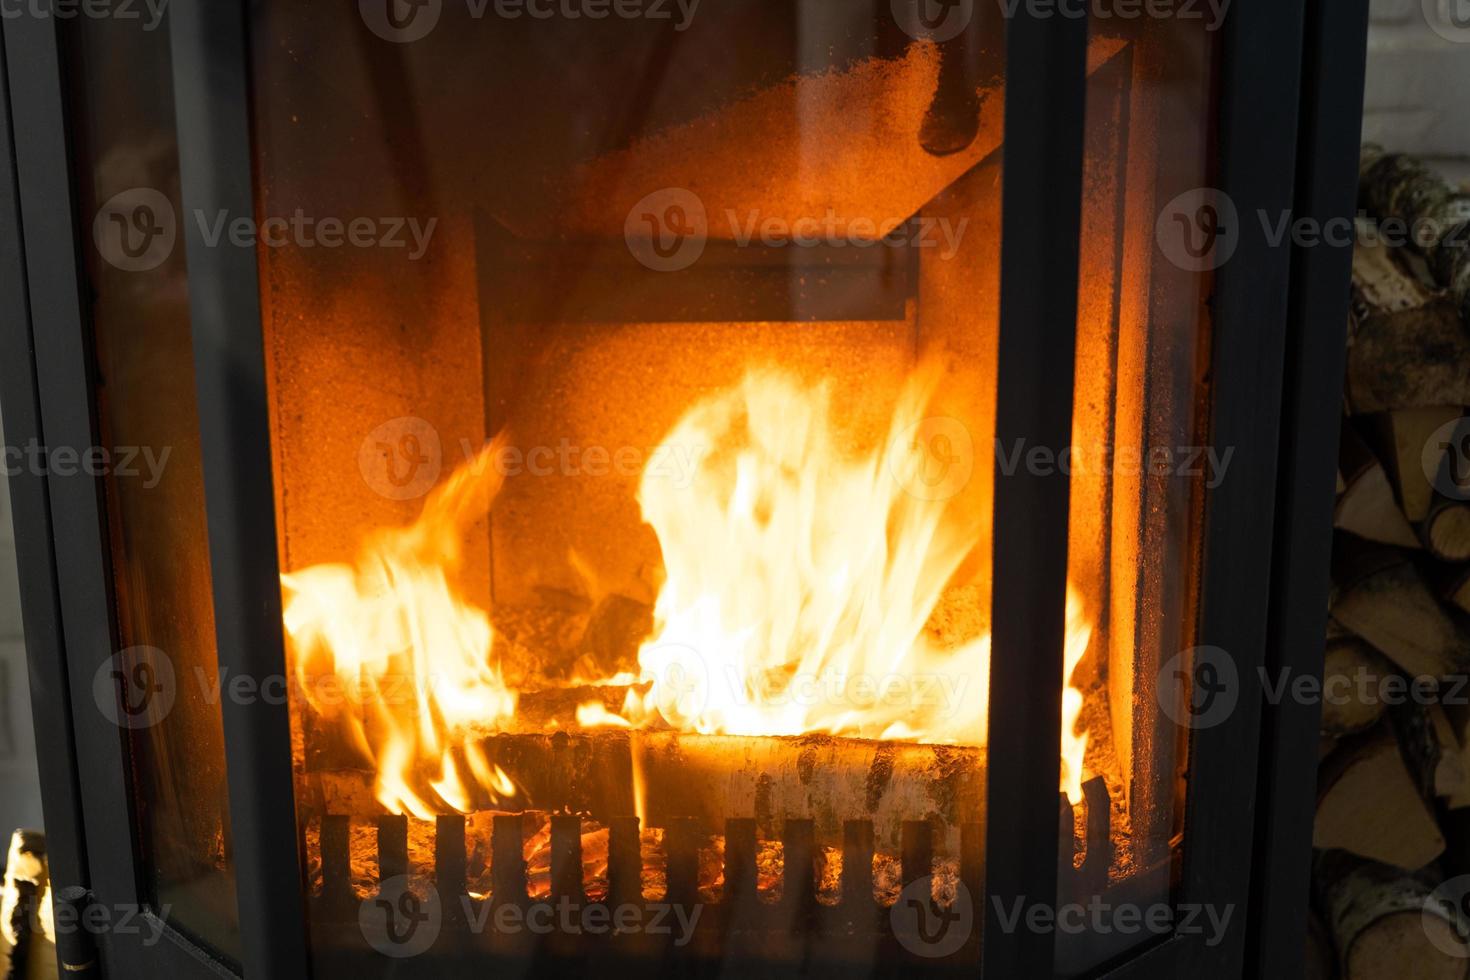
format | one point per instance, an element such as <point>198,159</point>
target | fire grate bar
<point>740,904</point>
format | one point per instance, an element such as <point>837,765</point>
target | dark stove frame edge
<point>67,604</point>
<point>1240,290</point>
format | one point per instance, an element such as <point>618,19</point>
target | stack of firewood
<point>1392,825</point>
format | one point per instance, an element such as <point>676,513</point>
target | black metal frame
<point>47,391</point>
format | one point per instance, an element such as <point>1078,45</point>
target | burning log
<point>820,778</point>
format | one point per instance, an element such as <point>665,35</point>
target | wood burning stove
<point>579,544</point>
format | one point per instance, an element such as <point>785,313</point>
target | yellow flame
<point>801,583</point>
<point>415,657</point>
<point>1074,743</point>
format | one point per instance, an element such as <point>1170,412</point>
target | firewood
<point>1453,719</point>
<point>1400,439</point>
<point>1351,676</point>
<point>1446,529</point>
<point>1369,804</point>
<point>1454,586</point>
<point>1407,347</point>
<point>1431,751</point>
<point>1366,505</point>
<point>1384,922</point>
<point>1382,597</point>
<point>1397,186</point>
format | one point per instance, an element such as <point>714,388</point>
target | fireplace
<point>793,488</point>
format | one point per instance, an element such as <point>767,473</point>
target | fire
<point>413,658</point>
<point>802,581</point>
<point>803,584</point>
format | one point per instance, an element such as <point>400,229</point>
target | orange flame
<point>801,586</point>
<point>800,583</point>
<point>414,655</point>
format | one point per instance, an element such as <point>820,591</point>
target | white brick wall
<point>1417,77</point>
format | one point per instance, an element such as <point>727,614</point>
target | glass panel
<point>127,176</point>
<point>1137,476</point>
<point>633,384</point>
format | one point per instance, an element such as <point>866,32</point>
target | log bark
<point>1368,804</point>
<point>1431,751</point>
<point>1400,439</point>
<point>1366,505</point>
<point>1382,597</point>
<point>1397,186</point>
<point>711,777</point>
<point>1351,676</point>
<point>1385,923</point>
<point>1407,347</point>
<point>1446,529</point>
